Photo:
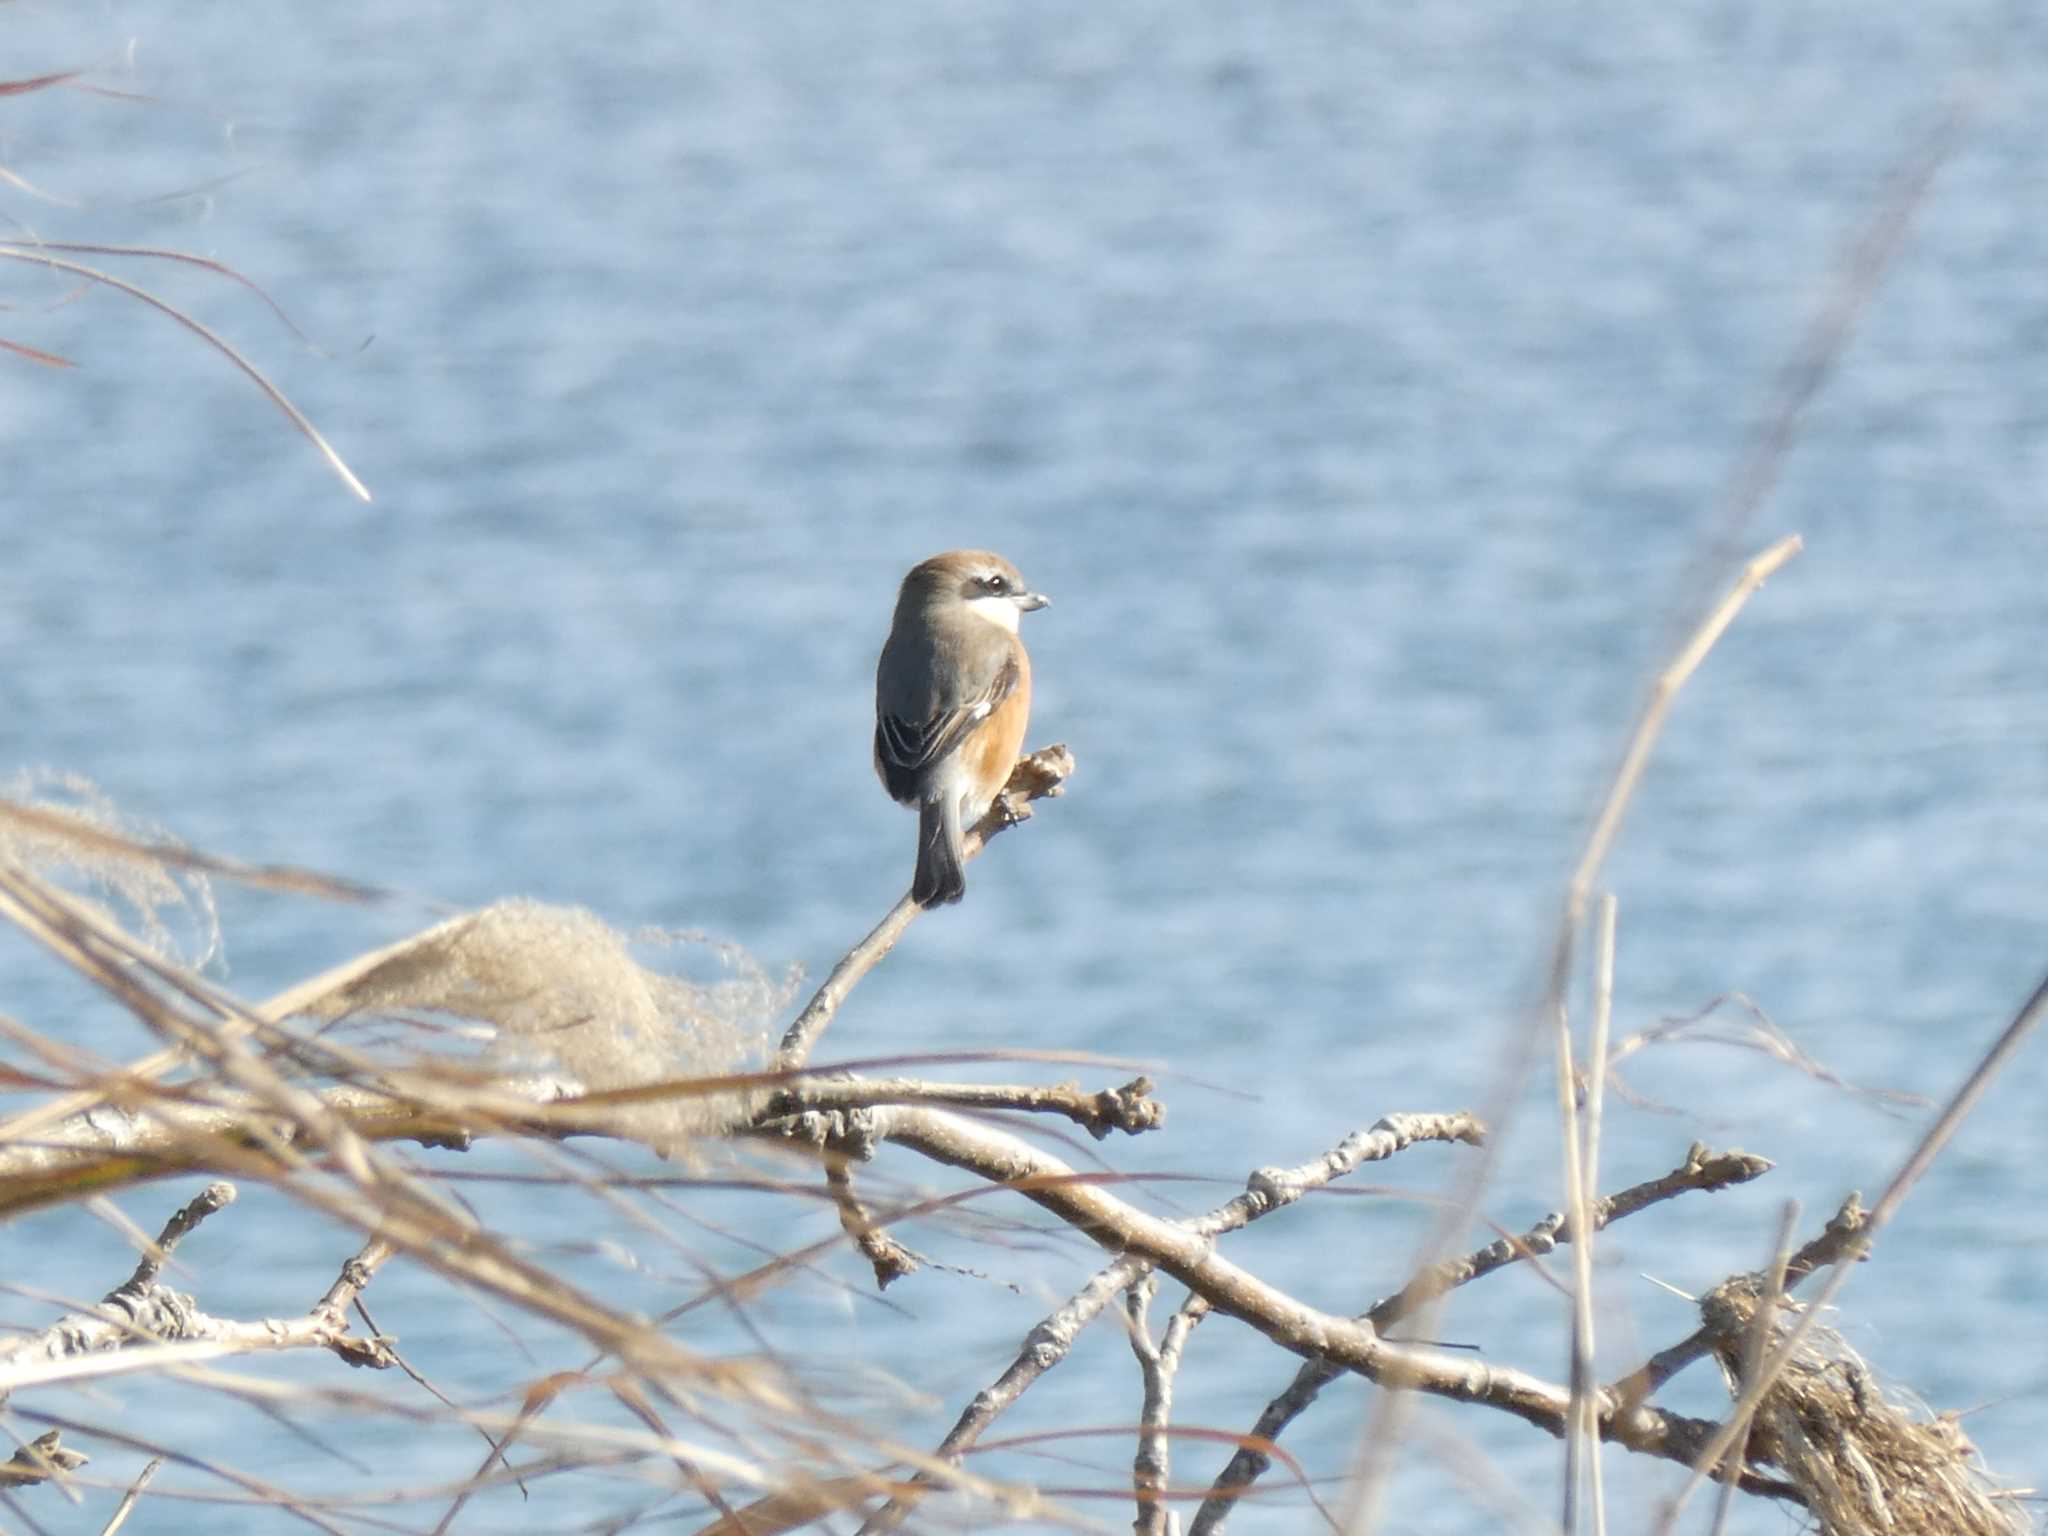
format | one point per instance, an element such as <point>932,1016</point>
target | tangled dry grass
<point>1865,1455</point>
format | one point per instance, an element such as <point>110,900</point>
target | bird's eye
<point>996,582</point>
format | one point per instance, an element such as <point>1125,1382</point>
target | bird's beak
<point>1028,602</point>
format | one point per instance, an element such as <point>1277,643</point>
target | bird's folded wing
<point>910,745</point>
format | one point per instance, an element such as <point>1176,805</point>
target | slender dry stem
<point>1756,1345</point>
<point>1596,1101</point>
<point>220,344</point>
<point>1582,1434</point>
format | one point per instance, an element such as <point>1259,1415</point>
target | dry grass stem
<point>1581,1436</point>
<point>1382,1435</point>
<point>1754,1030</point>
<point>40,256</point>
<point>128,1500</point>
<point>1754,1346</point>
<point>1589,1176</point>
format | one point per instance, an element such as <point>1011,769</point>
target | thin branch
<point>209,1201</point>
<point>1701,1171</point>
<point>1042,775</point>
<point>890,1260</point>
<point>129,1498</point>
<point>1129,1109</point>
<point>141,1317</point>
<point>1158,1364</point>
<point>1351,1343</point>
<point>1266,1191</point>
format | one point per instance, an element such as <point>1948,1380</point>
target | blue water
<point>1363,386</point>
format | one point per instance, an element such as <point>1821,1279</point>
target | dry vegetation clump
<point>1864,1456</point>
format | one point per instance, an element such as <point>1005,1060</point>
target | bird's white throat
<point>997,610</point>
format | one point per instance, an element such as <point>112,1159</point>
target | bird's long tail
<point>940,853</point>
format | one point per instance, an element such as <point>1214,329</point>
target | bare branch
<point>1157,1366</point>
<point>128,1499</point>
<point>1129,1109</point>
<point>1266,1191</point>
<point>141,1316</point>
<point>890,1259</point>
<point>1702,1170</point>
<point>1042,775</point>
<point>1351,1343</point>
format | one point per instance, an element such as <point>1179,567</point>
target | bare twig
<point>212,1199</point>
<point>1190,1257</point>
<point>1702,1170</point>
<point>1157,1366</point>
<point>1041,775</point>
<point>142,1481</point>
<point>890,1259</point>
<point>144,1320</point>
<point>1129,1108</point>
<point>1266,1191</point>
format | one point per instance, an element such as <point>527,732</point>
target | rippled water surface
<point>1365,388</point>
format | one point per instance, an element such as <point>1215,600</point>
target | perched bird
<point>952,696</point>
